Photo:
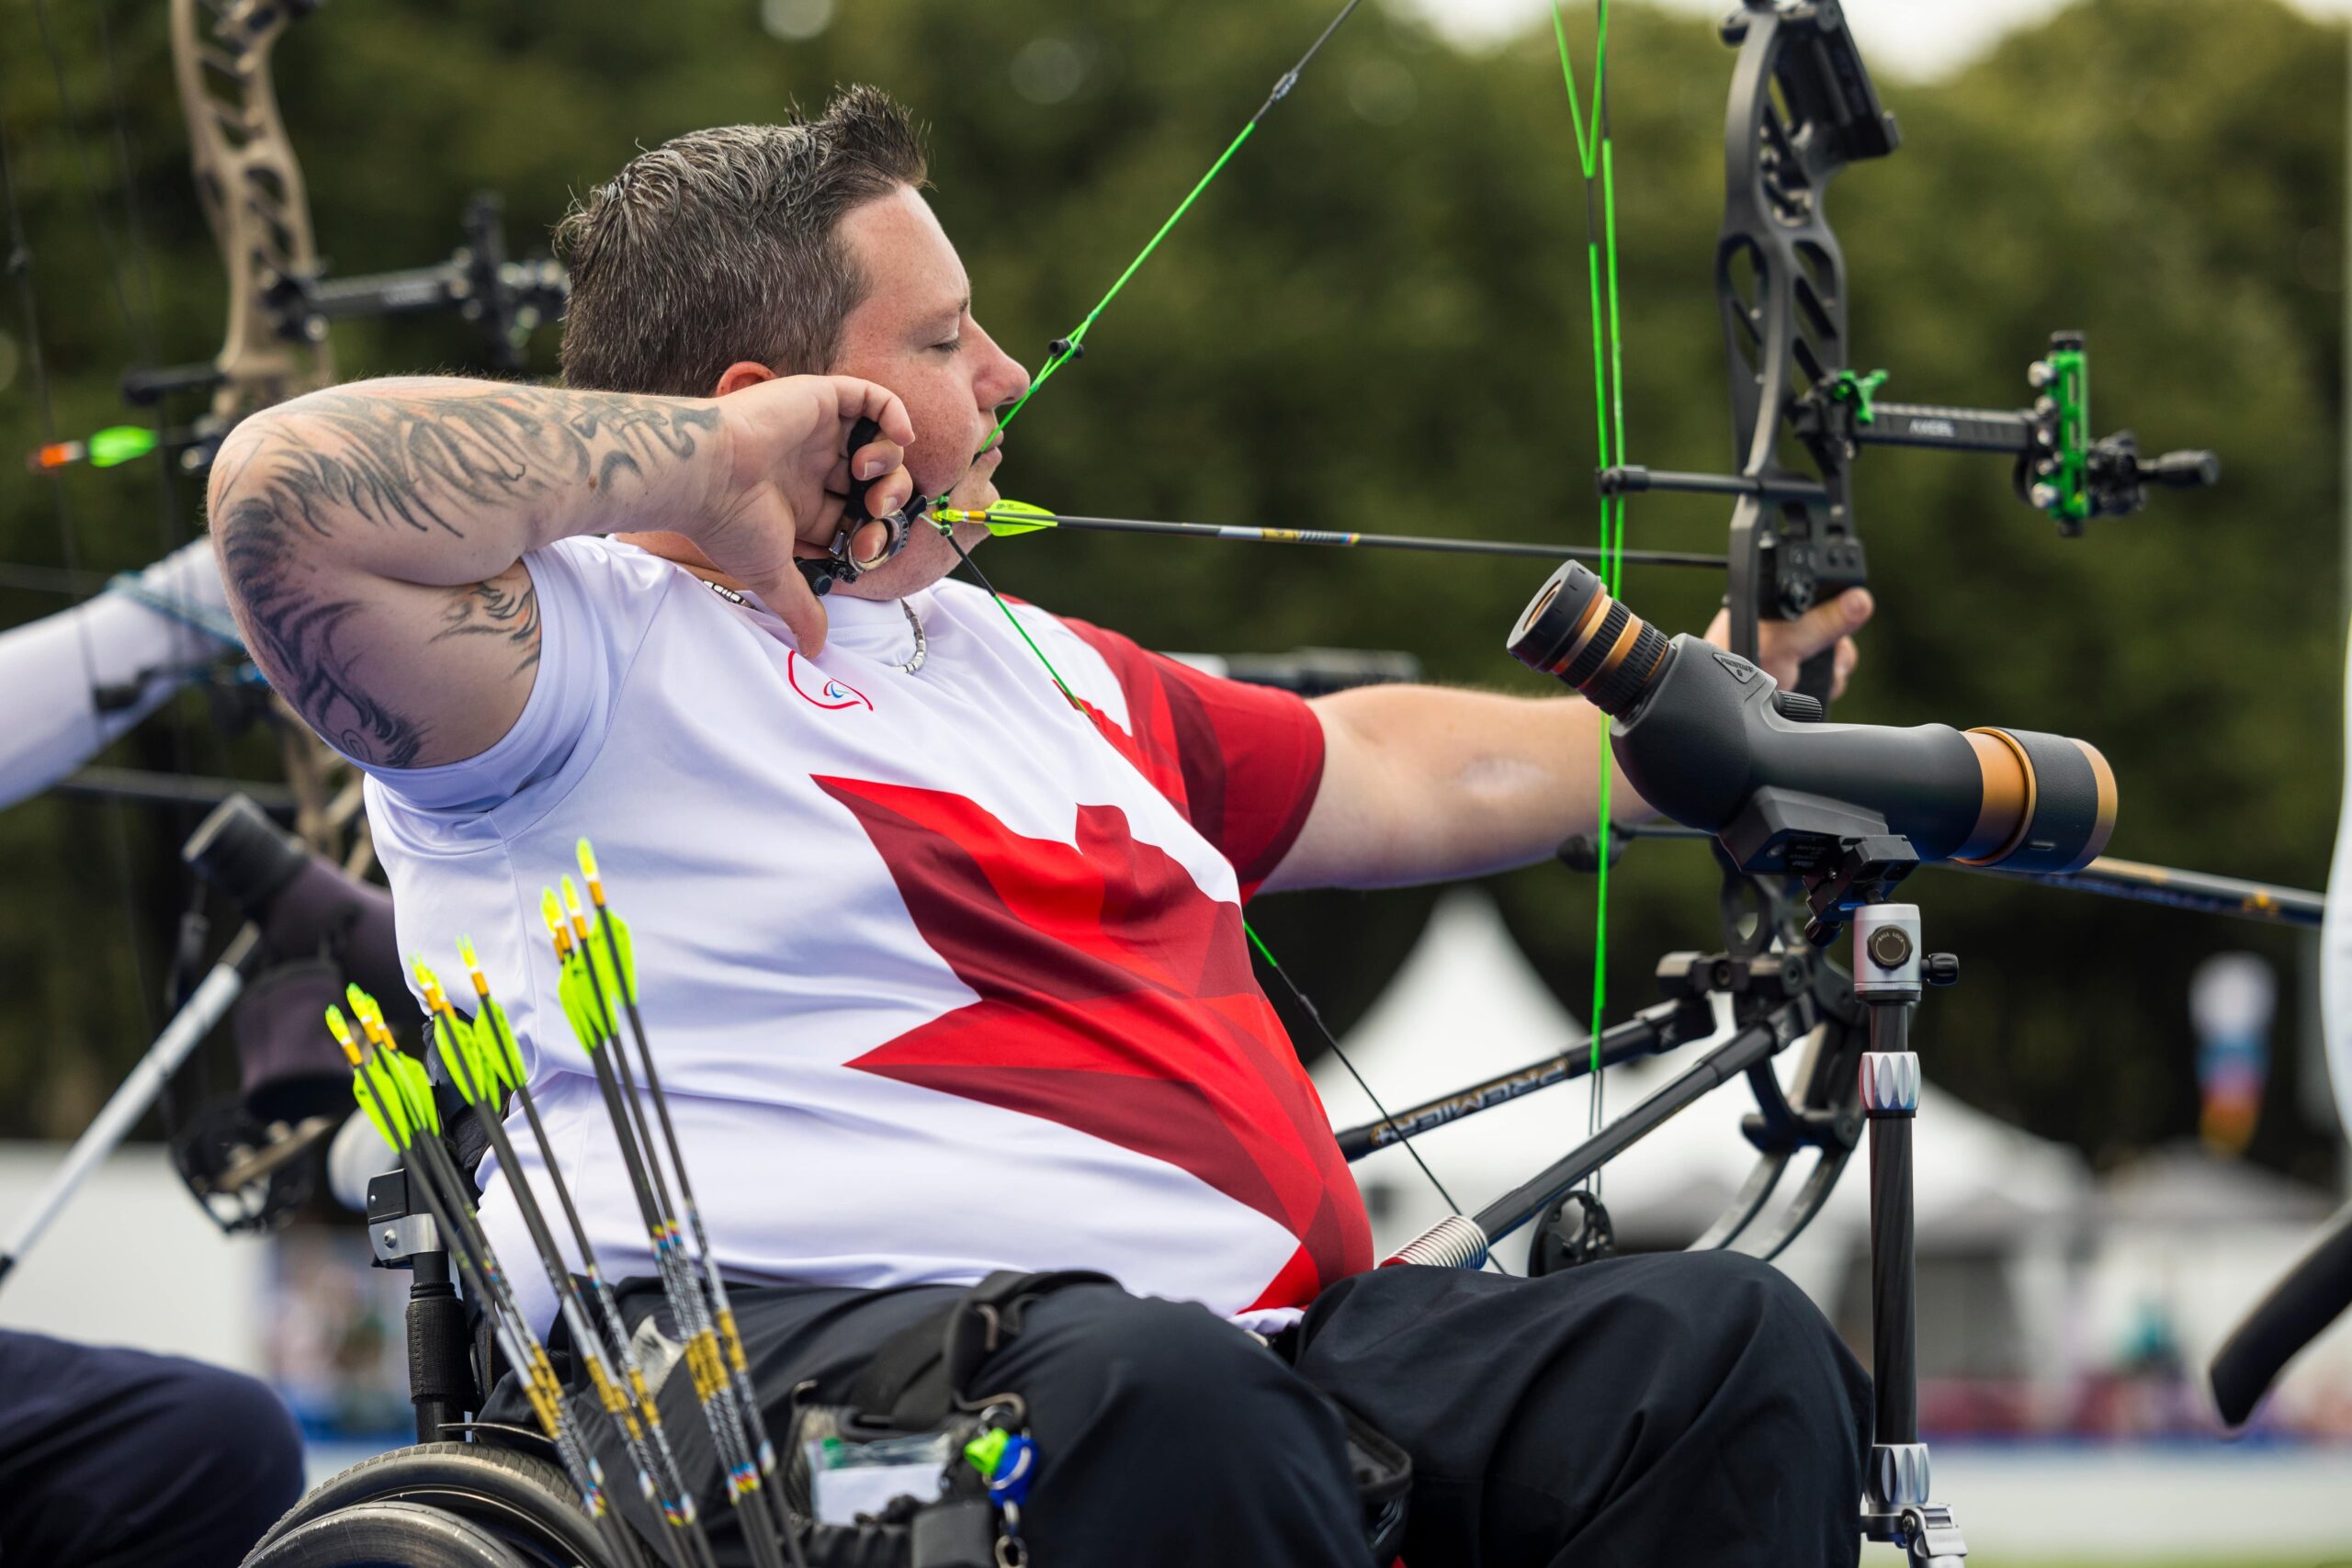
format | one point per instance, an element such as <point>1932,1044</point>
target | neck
<point>683,551</point>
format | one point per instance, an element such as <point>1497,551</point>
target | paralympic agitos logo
<point>820,688</point>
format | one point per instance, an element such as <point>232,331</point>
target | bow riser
<point>1801,109</point>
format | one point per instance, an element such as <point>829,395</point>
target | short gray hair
<point>724,245</point>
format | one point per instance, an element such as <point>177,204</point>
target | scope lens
<point>2048,804</point>
<point>1575,631</point>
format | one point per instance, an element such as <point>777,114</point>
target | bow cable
<point>1065,349</point>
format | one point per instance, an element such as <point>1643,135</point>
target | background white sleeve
<point>142,648</point>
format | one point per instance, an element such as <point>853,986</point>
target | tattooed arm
<point>371,536</point>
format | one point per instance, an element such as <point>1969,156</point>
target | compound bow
<point>1801,108</point>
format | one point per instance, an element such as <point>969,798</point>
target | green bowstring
<point>1076,341</point>
<point>1597,165</point>
<point>1070,348</point>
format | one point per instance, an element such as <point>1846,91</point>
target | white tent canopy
<point>1466,1005</point>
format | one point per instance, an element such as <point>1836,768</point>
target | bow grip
<point>1815,675</point>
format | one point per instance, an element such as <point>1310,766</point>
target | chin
<point>973,496</point>
<point>927,558</point>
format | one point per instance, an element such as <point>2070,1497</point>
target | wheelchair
<point>491,1502</point>
<point>438,1505</point>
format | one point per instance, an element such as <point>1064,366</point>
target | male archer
<point>949,964</point>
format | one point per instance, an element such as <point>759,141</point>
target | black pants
<point>1638,1413</point>
<point>111,1459</point>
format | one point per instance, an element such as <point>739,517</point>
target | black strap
<point>922,1372</point>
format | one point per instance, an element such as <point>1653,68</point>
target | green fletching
<point>416,1088</point>
<point>1010,517</point>
<point>120,444</point>
<point>375,1112</point>
<point>482,1049</point>
<point>494,1037</point>
<point>391,1117</point>
<point>458,1054</point>
<point>580,1006</point>
<point>600,955</point>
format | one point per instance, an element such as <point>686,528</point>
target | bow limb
<point>276,344</point>
<point>251,187</point>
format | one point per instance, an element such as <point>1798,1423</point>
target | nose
<point>1003,382</point>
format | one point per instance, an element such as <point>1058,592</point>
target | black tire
<point>524,1503</point>
<point>387,1535</point>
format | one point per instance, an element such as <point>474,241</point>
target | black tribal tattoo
<point>431,462</point>
<point>497,608</point>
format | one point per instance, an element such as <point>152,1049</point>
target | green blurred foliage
<point>1377,320</point>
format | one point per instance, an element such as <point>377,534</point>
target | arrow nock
<point>578,916</point>
<point>552,912</point>
<point>472,961</point>
<point>340,1027</point>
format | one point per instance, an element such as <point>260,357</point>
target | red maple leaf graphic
<point>1116,999</point>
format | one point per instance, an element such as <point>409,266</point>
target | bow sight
<point>1803,107</point>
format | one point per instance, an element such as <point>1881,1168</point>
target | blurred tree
<point>1376,320</point>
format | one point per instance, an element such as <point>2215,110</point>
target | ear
<point>741,374</point>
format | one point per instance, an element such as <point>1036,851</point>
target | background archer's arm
<point>1426,784</point>
<point>71,682</point>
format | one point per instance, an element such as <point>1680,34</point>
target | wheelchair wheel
<point>438,1506</point>
<point>389,1535</point>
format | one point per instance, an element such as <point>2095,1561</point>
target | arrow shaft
<point>1338,539</point>
<point>437,1180</point>
<point>676,1500</point>
<point>721,1310</point>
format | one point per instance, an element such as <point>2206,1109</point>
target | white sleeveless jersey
<point>943,974</point>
